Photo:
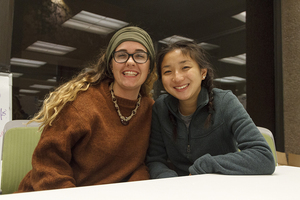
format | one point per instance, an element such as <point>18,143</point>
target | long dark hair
<point>198,54</point>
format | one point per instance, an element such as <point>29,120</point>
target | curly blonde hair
<point>67,92</point>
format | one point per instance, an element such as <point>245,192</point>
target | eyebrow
<point>184,61</point>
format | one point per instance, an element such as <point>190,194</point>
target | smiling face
<point>181,76</point>
<point>129,76</point>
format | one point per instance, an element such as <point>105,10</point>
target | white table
<point>283,184</point>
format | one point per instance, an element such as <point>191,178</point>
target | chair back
<point>15,124</point>
<point>18,146</point>
<point>270,140</point>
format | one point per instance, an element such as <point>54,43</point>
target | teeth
<point>181,87</point>
<point>130,73</point>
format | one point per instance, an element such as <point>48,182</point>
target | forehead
<point>176,57</point>
<point>131,46</point>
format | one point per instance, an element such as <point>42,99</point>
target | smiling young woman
<point>96,127</point>
<point>198,128</point>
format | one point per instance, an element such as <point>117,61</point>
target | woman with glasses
<point>96,127</point>
<point>199,129</point>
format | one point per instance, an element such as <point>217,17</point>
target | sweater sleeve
<point>157,155</point>
<point>254,155</point>
<point>141,173</point>
<point>52,156</point>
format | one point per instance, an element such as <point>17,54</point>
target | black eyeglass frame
<point>131,55</point>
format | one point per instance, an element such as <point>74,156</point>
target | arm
<point>53,154</point>
<point>157,155</point>
<point>255,155</point>
<point>141,173</point>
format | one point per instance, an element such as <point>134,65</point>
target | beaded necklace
<point>124,120</point>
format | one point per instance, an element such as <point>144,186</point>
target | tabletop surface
<point>283,184</point>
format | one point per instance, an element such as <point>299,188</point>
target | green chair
<point>270,140</point>
<point>18,146</point>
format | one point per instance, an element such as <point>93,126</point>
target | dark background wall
<point>6,24</point>
<point>260,72</point>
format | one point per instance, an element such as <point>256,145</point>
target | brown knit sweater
<point>88,145</point>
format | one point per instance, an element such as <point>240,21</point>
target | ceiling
<point>40,20</point>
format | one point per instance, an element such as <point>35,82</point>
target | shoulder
<point>223,95</point>
<point>161,103</point>
<point>91,98</point>
<point>147,102</point>
<point>226,101</point>
<point>161,99</point>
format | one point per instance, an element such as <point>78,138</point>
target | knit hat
<point>130,33</point>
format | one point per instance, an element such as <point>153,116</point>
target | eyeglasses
<point>138,57</point>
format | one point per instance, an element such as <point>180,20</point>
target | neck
<point>188,107</point>
<point>126,94</point>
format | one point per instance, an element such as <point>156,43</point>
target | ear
<point>203,73</point>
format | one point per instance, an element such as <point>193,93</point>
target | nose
<point>130,60</point>
<point>177,77</point>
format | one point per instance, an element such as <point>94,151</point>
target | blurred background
<point>254,47</point>
<point>54,39</point>
<point>46,42</point>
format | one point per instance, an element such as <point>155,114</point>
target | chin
<point>132,86</point>
<point>179,97</point>
<point>183,97</point>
